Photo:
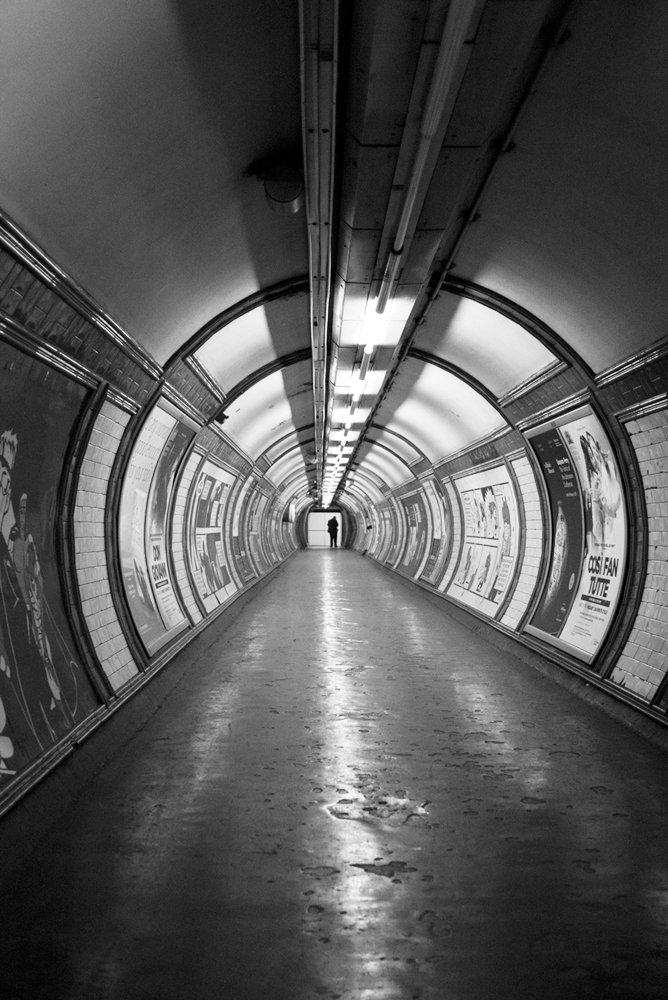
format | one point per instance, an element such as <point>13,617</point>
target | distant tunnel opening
<point>317,532</point>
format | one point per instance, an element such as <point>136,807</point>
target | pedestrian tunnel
<point>158,526</point>
<point>356,260</point>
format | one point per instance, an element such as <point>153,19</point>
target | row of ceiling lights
<point>376,329</point>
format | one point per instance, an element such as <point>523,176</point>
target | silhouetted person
<point>333,529</point>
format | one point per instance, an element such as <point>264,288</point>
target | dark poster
<point>44,691</point>
<point>567,532</point>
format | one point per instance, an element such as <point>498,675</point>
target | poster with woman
<point>491,540</point>
<point>589,533</point>
<point>44,689</point>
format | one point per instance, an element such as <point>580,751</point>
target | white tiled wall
<point>533,542</point>
<point>90,547</point>
<point>644,660</point>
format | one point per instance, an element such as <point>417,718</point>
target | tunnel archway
<point>436,339</point>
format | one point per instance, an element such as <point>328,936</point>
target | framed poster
<point>44,689</point>
<point>491,540</point>
<point>387,531</point>
<point>254,520</point>
<point>205,520</point>
<point>160,492</point>
<point>242,559</point>
<point>416,537</point>
<point>441,534</point>
<point>147,485</point>
<point>587,557</point>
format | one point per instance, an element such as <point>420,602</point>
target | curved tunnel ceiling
<point>478,144</point>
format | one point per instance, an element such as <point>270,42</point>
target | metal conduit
<point>318,70</point>
<point>441,93</point>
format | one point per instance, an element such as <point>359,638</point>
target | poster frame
<point>43,534</point>
<point>445,513</point>
<point>468,483</point>
<point>416,498</point>
<point>213,602</point>
<point>151,645</point>
<point>583,655</point>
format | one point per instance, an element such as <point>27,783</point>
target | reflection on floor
<point>351,795</point>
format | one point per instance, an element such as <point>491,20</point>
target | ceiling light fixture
<point>366,361</point>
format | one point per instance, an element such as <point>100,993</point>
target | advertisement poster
<point>241,556</point>
<point>180,436</point>
<point>491,540</point>
<point>255,517</point>
<point>44,690</point>
<point>148,586</point>
<point>567,516</point>
<point>206,556</point>
<point>442,534</point>
<point>387,532</point>
<point>416,538</point>
<point>588,514</point>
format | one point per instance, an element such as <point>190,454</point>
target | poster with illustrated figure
<point>206,557</point>
<point>141,528</point>
<point>491,540</point>
<point>44,689</point>
<point>589,534</point>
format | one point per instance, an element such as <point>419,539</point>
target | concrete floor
<point>349,794</point>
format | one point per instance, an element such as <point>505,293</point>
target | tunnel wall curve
<point>608,622</point>
<point>129,520</point>
<point>104,580</point>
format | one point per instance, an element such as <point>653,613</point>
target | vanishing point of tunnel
<point>333,499</point>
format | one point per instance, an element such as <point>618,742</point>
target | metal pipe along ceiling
<point>318,64</point>
<point>442,93</point>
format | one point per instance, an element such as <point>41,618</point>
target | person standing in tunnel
<point>333,529</point>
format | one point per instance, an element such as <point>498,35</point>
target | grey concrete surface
<point>348,794</point>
